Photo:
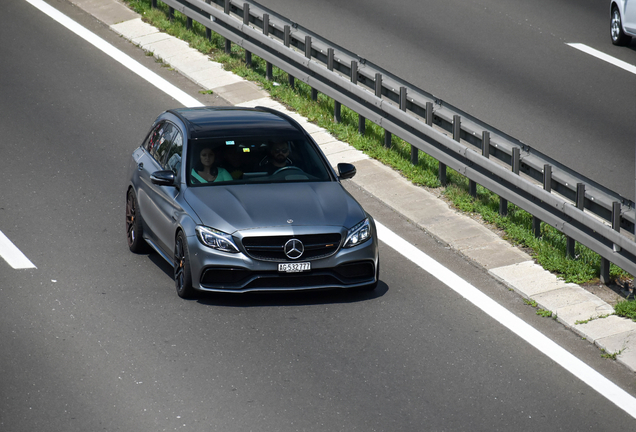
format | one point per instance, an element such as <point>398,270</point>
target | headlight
<point>358,234</point>
<point>216,239</point>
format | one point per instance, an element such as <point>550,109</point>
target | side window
<point>160,150</point>
<point>152,141</point>
<point>173,158</point>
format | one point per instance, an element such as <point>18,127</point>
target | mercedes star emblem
<point>294,249</point>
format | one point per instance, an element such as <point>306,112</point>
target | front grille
<point>270,248</point>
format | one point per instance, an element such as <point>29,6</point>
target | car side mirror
<point>346,170</point>
<point>163,178</point>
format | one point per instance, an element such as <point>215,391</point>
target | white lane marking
<point>572,364</point>
<point>601,55</point>
<point>118,55</point>
<point>575,366</point>
<point>12,255</point>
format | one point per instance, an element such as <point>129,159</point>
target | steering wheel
<point>287,168</point>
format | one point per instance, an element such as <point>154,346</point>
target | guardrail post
<point>153,4</point>
<point>287,36</point>
<point>308,47</point>
<point>441,166</point>
<point>269,73</point>
<point>485,144</point>
<point>266,24</point>
<point>429,113</point>
<point>616,221</point>
<point>188,23</point>
<point>354,80</point>
<point>616,226</point>
<point>547,186</point>
<point>287,42</point>
<point>246,21</point>
<point>415,156</point>
<point>170,13</point>
<point>515,159</point>
<point>208,32</point>
<point>580,204</point>
<point>378,93</point>
<point>314,92</point>
<point>228,43</point>
<point>485,152</point>
<point>336,105</point>
<point>503,203</point>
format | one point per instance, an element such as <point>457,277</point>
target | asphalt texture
<point>96,339</point>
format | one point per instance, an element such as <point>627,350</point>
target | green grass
<point>549,250</point>
<point>592,319</point>
<point>611,356</point>
<point>544,313</point>
<point>626,309</point>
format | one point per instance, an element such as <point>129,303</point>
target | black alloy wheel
<point>616,29</point>
<point>134,230</point>
<point>182,273</point>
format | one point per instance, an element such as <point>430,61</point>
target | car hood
<point>246,206</point>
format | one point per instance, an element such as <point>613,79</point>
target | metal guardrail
<point>582,209</point>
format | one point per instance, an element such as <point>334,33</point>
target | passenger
<point>205,171</point>
<point>278,156</point>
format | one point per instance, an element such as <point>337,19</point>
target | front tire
<point>616,29</point>
<point>134,229</point>
<point>182,272</point>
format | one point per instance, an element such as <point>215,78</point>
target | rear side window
<point>173,157</point>
<point>152,142</point>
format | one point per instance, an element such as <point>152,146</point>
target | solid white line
<point>118,55</point>
<point>601,55</point>
<point>575,366</point>
<point>585,373</point>
<point>12,254</point>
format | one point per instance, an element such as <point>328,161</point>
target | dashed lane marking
<point>605,57</point>
<point>12,255</point>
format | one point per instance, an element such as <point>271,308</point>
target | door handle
<point>140,166</point>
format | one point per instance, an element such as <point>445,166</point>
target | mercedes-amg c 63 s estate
<point>242,199</point>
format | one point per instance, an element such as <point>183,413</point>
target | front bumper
<point>226,272</point>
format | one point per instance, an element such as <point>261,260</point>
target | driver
<point>278,156</point>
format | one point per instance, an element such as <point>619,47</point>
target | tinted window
<point>173,158</point>
<point>153,138</point>
<point>161,149</point>
<point>257,159</point>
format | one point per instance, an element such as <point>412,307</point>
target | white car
<point>622,21</point>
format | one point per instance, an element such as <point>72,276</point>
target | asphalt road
<point>505,63</point>
<point>95,338</point>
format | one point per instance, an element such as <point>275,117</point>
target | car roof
<point>211,122</point>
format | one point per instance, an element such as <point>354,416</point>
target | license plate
<point>294,267</point>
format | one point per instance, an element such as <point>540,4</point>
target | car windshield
<point>254,160</point>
